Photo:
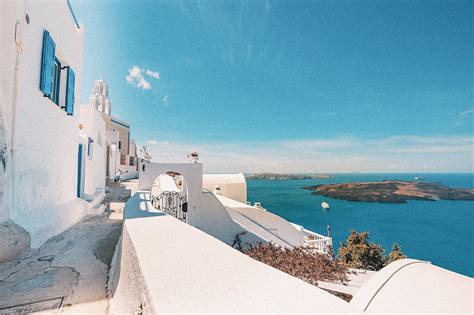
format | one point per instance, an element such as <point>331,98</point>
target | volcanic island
<point>391,191</point>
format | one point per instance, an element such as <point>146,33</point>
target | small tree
<point>396,253</point>
<point>359,253</point>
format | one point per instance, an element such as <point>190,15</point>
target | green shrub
<point>357,252</point>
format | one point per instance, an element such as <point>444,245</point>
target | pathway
<point>69,269</point>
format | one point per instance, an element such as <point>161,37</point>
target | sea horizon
<point>436,231</point>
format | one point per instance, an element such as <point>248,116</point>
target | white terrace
<point>166,265</point>
<point>217,204</point>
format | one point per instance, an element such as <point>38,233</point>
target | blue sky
<point>289,86</point>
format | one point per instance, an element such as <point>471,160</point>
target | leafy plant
<point>300,262</point>
<point>396,253</point>
<point>357,252</point>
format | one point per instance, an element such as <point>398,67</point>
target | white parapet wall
<point>168,266</point>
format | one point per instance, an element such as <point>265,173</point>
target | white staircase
<point>94,201</point>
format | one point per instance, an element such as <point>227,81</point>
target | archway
<point>169,193</point>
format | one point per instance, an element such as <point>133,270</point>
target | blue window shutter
<point>58,80</point>
<point>47,65</point>
<point>70,86</point>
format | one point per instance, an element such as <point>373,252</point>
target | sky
<point>289,86</point>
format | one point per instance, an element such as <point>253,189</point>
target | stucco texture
<point>186,270</point>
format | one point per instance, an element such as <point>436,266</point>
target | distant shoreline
<point>278,176</point>
<point>391,191</point>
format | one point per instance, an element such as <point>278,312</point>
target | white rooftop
<point>413,286</point>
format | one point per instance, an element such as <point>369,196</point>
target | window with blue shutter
<point>47,83</point>
<point>70,86</point>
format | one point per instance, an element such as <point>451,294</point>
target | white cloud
<point>152,73</point>
<point>135,78</point>
<point>402,154</point>
<point>165,100</point>
<point>156,142</point>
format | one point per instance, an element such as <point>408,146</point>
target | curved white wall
<point>274,224</point>
<point>214,219</point>
<point>257,229</point>
<point>413,286</point>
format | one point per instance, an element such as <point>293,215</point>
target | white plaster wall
<point>130,171</point>
<point>3,161</point>
<point>214,219</point>
<point>163,183</point>
<point>129,290</point>
<point>192,173</point>
<point>112,138</point>
<point>8,16</point>
<point>183,270</point>
<point>274,224</point>
<point>256,229</point>
<point>42,189</point>
<point>413,286</point>
<point>94,127</point>
<point>205,212</point>
<point>233,186</point>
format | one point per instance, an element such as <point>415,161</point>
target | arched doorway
<point>169,194</point>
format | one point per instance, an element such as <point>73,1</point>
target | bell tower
<point>100,97</point>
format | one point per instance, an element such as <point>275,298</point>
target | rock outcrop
<point>391,191</point>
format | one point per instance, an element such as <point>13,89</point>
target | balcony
<point>317,241</point>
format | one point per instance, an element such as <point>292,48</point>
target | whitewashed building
<point>121,149</point>
<point>42,174</point>
<point>217,204</point>
<point>92,134</point>
<point>167,263</point>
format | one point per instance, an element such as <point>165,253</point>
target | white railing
<point>317,241</point>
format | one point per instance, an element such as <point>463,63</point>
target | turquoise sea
<point>437,231</point>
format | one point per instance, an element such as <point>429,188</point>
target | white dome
<point>409,285</point>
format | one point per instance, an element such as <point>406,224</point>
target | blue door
<point>79,171</point>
